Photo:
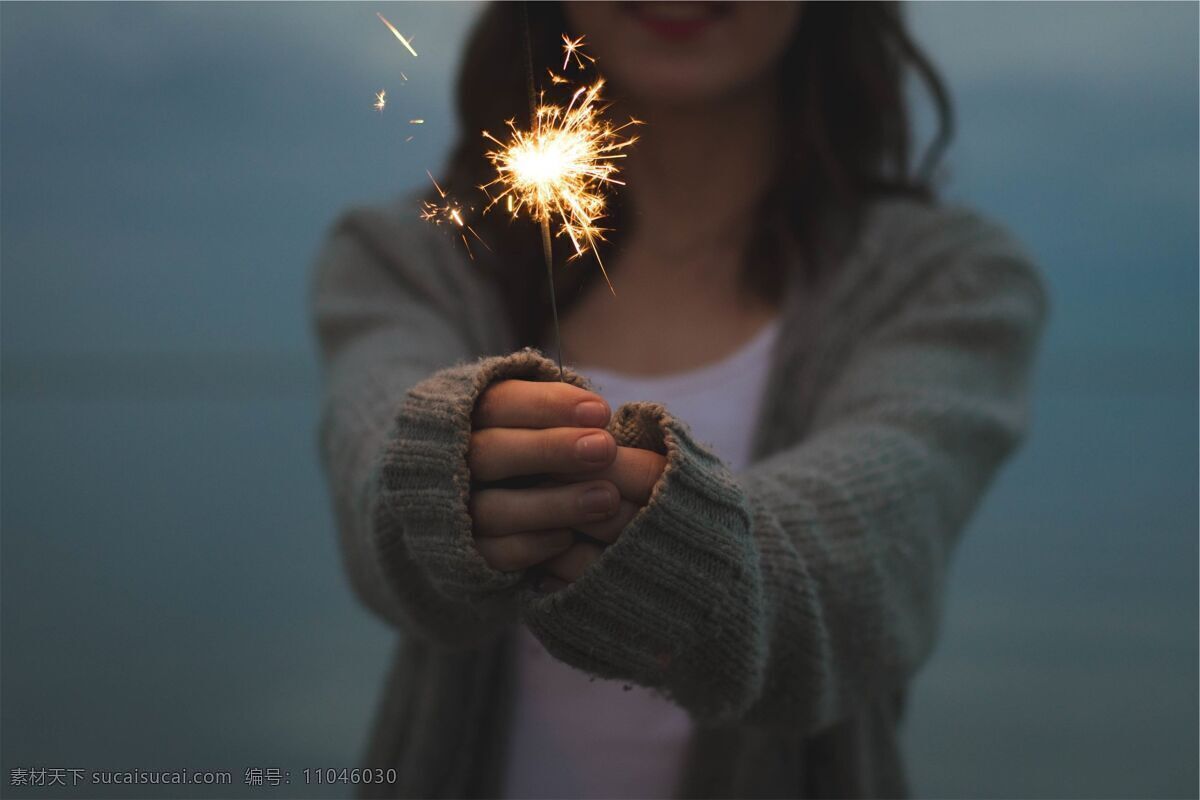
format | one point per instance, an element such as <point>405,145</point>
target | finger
<point>634,471</point>
<point>497,453</point>
<point>520,550</point>
<point>570,564</point>
<point>496,512</point>
<point>609,529</point>
<point>539,404</point>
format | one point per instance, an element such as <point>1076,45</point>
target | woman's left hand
<point>635,473</point>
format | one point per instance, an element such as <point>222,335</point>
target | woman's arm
<point>792,591</point>
<point>413,448</point>
<point>392,310</point>
<point>867,511</point>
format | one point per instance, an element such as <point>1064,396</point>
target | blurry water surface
<point>172,596</point>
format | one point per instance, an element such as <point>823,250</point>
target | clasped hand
<point>552,433</point>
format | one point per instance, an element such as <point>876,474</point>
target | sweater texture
<point>786,607</point>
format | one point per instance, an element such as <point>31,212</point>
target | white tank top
<point>573,737</point>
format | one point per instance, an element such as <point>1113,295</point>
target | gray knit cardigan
<point>785,607</point>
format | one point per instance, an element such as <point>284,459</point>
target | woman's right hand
<point>528,428</point>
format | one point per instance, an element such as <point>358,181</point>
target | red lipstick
<point>677,21</point>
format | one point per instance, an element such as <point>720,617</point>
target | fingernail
<point>597,500</point>
<point>591,414</point>
<point>592,448</point>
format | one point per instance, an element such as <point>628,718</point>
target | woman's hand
<point>526,428</point>
<point>635,473</point>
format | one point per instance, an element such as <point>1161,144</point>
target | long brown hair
<point>847,127</point>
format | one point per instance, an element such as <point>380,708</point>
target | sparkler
<point>558,170</point>
<point>555,172</point>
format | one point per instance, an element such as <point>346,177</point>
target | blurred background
<point>172,596</point>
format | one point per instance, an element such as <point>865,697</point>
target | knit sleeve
<point>422,488</point>
<point>791,592</point>
<point>676,602</point>
<point>397,323</point>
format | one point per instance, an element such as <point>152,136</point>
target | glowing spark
<point>408,138</point>
<point>416,122</point>
<point>449,211</point>
<point>556,79</point>
<point>573,48</point>
<point>558,170</point>
<point>380,99</point>
<point>396,33</point>
<point>405,77</point>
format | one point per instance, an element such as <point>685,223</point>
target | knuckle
<point>477,450</point>
<point>526,548</point>
<point>484,506</point>
<point>549,399</point>
<point>512,553</point>
<point>558,541</point>
<point>560,563</point>
<point>483,406</point>
<point>544,544</point>
<point>492,554</point>
<point>582,556</point>
<point>491,401</point>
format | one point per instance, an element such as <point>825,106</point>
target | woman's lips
<point>677,21</point>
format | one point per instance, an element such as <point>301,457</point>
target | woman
<point>724,586</point>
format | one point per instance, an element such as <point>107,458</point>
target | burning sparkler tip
<point>557,170</point>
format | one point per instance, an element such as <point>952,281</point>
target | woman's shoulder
<point>904,243</point>
<point>377,257</point>
<point>917,228</point>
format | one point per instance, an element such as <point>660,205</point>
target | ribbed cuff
<point>676,602</point>
<point>425,484</point>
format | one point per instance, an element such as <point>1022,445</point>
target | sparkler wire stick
<point>547,249</point>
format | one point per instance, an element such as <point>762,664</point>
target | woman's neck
<point>696,176</point>
<point>694,182</point>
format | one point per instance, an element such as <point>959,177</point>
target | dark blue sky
<point>171,591</point>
